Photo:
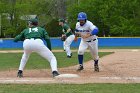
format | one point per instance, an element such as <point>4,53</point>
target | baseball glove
<point>63,37</point>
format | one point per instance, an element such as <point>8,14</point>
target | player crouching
<point>32,42</point>
<point>88,33</point>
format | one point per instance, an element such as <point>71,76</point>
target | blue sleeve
<point>95,31</point>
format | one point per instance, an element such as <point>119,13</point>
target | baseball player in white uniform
<point>32,42</point>
<point>88,32</point>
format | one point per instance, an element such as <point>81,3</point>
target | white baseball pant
<point>37,45</point>
<point>93,47</point>
<point>67,43</point>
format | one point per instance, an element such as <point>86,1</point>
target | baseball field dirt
<point>122,66</point>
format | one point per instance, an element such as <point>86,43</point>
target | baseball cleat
<point>55,73</point>
<point>68,56</point>
<point>20,74</point>
<point>96,68</point>
<point>71,54</point>
<point>80,68</point>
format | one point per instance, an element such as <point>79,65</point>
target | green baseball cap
<point>61,20</point>
<point>33,20</point>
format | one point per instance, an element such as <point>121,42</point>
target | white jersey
<point>88,27</point>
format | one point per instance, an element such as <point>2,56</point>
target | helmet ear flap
<point>85,20</point>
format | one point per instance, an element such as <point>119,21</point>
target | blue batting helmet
<point>82,16</point>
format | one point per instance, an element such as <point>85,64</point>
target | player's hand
<point>76,34</point>
<point>85,36</point>
<point>76,38</point>
<point>63,37</point>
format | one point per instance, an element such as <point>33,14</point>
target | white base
<point>67,76</point>
<point>135,50</point>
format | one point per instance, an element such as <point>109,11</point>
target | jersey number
<point>33,30</point>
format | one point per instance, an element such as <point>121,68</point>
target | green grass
<point>70,88</point>
<point>73,48</point>
<point>12,60</point>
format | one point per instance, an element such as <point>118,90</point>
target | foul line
<point>55,80</point>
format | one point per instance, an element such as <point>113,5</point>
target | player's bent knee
<point>80,52</point>
<point>95,57</point>
<point>52,57</point>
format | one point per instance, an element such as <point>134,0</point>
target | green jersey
<point>65,27</point>
<point>34,32</point>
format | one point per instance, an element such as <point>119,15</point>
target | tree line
<point>112,17</point>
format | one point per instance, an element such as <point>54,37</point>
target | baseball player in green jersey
<point>32,42</point>
<point>68,35</point>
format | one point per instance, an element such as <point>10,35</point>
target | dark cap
<point>61,20</point>
<point>33,22</point>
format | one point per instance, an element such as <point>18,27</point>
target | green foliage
<point>53,28</point>
<point>113,17</point>
<point>9,32</point>
<point>16,12</point>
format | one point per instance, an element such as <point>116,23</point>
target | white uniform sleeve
<point>91,26</point>
<point>76,25</point>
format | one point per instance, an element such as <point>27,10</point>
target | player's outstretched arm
<point>19,37</point>
<point>47,39</point>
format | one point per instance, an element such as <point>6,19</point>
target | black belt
<point>90,40</point>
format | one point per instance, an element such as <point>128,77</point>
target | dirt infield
<point>121,67</point>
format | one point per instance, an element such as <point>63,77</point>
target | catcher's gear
<point>63,37</point>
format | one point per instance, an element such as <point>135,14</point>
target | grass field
<point>73,48</point>
<point>12,60</point>
<point>70,88</point>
